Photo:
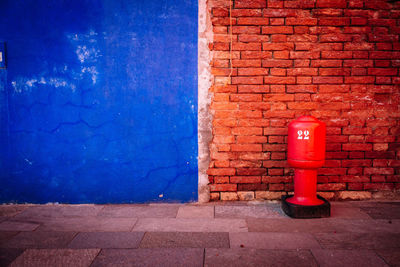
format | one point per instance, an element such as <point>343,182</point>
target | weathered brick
<point>250,3</point>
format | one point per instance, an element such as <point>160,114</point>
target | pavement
<point>364,233</point>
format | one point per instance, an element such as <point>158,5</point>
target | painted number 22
<point>303,135</point>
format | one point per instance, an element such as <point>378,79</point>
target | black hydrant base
<point>304,212</point>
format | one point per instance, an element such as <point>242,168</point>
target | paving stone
<point>59,211</point>
<point>89,224</point>
<point>190,211</point>
<point>7,255</point>
<point>358,240</point>
<point>254,211</point>
<point>56,257</point>
<point>39,240</point>
<point>366,226</point>
<point>383,212</point>
<point>107,240</point>
<point>348,258</point>
<point>325,225</point>
<point>6,235</point>
<point>391,256</point>
<point>273,240</point>
<point>140,211</point>
<point>185,239</point>
<point>190,225</point>
<point>11,210</point>
<point>290,225</point>
<point>150,257</point>
<point>18,226</point>
<point>345,212</point>
<point>258,257</point>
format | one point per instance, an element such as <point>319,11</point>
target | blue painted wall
<point>99,101</point>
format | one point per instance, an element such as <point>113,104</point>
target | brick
<point>246,147</point>
<point>358,63</point>
<point>278,72</point>
<point>303,105</point>
<point>337,37</point>
<point>221,179</point>
<point>275,3</point>
<point>255,107</point>
<point>246,63</point>
<point>251,171</point>
<point>302,88</point>
<point>223,21</point>
<point>221,171</point>
<point>358,46</point>
<point>336,54</point>
<point>331,187</point>
<point>277,46</point>
<point>279,114</point>
<point>246,46</point>
<point>357,163</point>
<point>301,21</point>
<point>277,179</point>
<point>279,80</point>
<point>223,187</point>
<point>253,89</point>
<point>229,196</point>
<point>333,21</point>
<point>272,63</point>
<point>241,165</point>
<point>246,29</point>
<point>246,195</point>
<point>243,97</point>
<point>279,13</point>
<point>275,131</point>
<point>219,12</point>
<point>250,4</point>
<point>246,12</point>
<point>277,30</point>
<point>278,97</point>
<point>253,38</point>
<point>247,131</point>
<point>245,179</point>
<point>378,186</point>
<point>252,71</point>
<point>302,72</point>
<point>304,54</point>
<point>281,54</point>
<point>326,63</point>
<point>221,139</point>
<point>383,71</point>
<point>357,147</point>
<point>252,187</point>
<point>252,21</point>
<point>254,156</point>
<point>327,80</point>
<point>303,80</point>
<point>247,80</point>
<point>274,147</point>
<point>359,79</point>
<point>331,3</point>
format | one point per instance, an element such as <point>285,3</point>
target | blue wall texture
<point>99,101</point>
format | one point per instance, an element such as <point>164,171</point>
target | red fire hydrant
<point>306,153</point>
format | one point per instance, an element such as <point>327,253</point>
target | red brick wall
<point>335,60</point>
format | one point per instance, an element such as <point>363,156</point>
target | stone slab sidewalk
<point>213,234</point>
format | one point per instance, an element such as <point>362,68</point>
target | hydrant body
<point>306,153</point>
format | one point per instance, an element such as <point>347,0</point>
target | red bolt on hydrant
<point>306,153</point>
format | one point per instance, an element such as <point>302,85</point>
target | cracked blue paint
<point>99,101</point>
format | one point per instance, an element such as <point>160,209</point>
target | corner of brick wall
<point>337,60</point>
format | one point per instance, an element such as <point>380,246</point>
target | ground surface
<point>214,234</point>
